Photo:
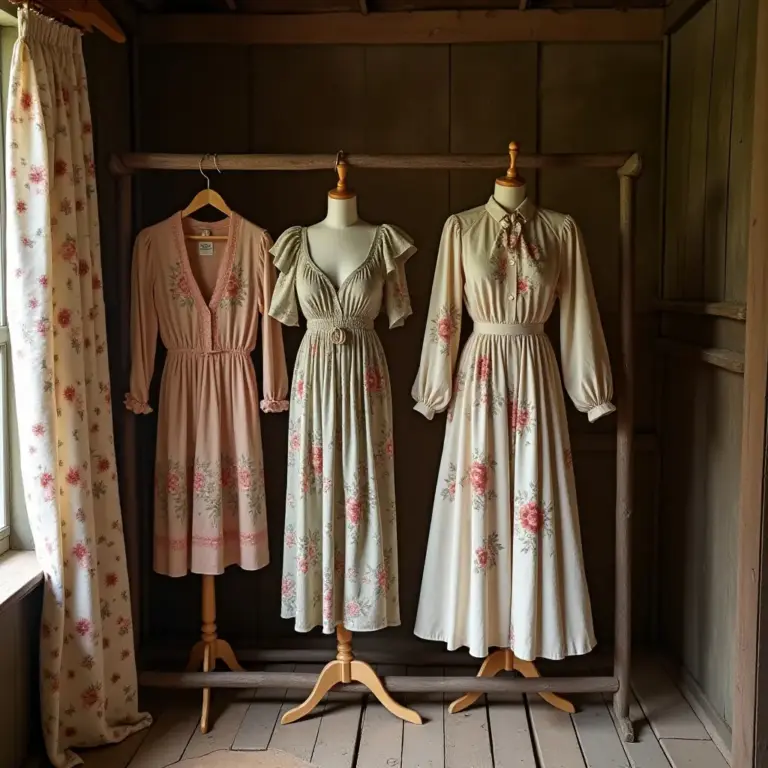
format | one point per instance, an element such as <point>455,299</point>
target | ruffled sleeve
<point>586,366</point>
<point>433,386</point>
<point>396,249</point>
<point>143,326</point>
<point>273,353</point>
<point>284,306</point>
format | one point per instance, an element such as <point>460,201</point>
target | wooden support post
<point>624,451</point>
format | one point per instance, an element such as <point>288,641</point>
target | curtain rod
<point>626,164</point>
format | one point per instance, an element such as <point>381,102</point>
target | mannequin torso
<point>509,198</point>
<point>341,241</point>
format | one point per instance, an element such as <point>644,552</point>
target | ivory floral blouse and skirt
<point>504,564</point>
<point>209,480</point>
<point>340,547</point>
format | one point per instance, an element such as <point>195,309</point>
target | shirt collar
<point>526,209</point>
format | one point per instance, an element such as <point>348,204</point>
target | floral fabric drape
<point>59,346</point>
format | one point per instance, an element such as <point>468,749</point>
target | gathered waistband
<point>206,352</point>
<point>509,329</point>
<point>337,329</point>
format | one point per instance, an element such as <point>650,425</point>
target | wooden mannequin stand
<point>210,648</point>
<point>505,661</point>
<point>346,669</point>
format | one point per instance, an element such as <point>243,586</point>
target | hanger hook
<point>216,162</point>
<point>200,167</point>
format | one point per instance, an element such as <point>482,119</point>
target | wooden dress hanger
<point>205,197</point>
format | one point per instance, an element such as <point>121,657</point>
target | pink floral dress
<point>205,303</point>
<point>340,547</point>
<point>504,564</point>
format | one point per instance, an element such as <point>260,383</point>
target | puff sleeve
<point>586,366</point>
<point>433,386</point>
<point>284,306</point>
<point>273,353</point>
<point>397,248</point>
<point>144,326</point>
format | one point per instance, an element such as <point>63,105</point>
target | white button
<point>512,262</point>
<point>511,298</point>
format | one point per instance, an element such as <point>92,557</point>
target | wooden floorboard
<point>596,732</point>
<point>381,739</point>
<point>467,735</point>
<point>261,718</point>
<point>337,737</point>
<point>645,751</point>
<point>298,738</point>
<point>228,708</point>
<point>175,721</point>
<point>554,736</point>
<point>693,753</point>
<point>669,714</point>
<point>114,756</point>
<point>423,745</point>
<point>511,737</point>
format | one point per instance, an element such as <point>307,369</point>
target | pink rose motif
<point>531,517</point>
<point>294,442</point>
<point>389,447</point>
<point>233,287</point>
<point>290,539</point>
<point>445,328</point>
<point>481,556</point>
<point>64,318</point>
<point>46,479</point>
<point>478,476</point>
<point>244,478</point>
<point>327,604</point>
<point>81,554</point>
<point>373,379</point>
<point>38,430</point>
<point>288,587</point>
<point>300,389</point>
<point>173,483</point>
<point>452,488</point>
<point>352,609</point>
<point>354,511</point>
<point>483,368</point>
<point>73,476</point>
<point>68,249</point>
<point>523,417</point>
<point>317,459</point>
<point>198,482</point>
<point>523,285</point>
<point>382,578</point>
<point>183,286</point>
<point>302,563</point>
<point>83,627</point>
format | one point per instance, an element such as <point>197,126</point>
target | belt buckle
<point>338,335</point>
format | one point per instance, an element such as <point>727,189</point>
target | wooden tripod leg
<point>330,675</point>
<point>206,708</point>
<point>493,664</point>
<point>528,669</point>
<point>223,652</point>
<point>363,673</point>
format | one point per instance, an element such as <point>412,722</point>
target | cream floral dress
<point>504,564</point>
<point>209,478</point>
<point>340,547</point>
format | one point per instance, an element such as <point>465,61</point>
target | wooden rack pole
<point>628,169</point>
<point>624,451</point>
<point>394,683</point>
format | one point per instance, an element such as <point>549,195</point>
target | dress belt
<point>337,329</point>
<point>509,329</point>
<point>206,352</point>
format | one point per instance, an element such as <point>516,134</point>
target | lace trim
<point>136,405</point>
<point>274,406</point>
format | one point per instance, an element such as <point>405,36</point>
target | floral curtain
<point>59,348</point>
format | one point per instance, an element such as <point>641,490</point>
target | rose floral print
<point>209,481</point>
<point>56,314</point>
<point>504,564</point>
<point>340,445</point>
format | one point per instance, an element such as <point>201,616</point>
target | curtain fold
<point>59,348</point>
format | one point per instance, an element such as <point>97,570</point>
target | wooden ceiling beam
<point>418,27</point>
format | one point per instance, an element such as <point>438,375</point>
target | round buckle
<point>338,335</point>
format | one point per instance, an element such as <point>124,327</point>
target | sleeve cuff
<point>274,406</point>
<point>137,406</point>
<point>593,414</point>
<point>424,410</point>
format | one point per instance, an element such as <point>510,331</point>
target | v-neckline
<point>337,291</point>
<point>225,266</point>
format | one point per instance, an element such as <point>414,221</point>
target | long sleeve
<point>586,366</point>
<point>433,386</point>
<point>274,369</point>
<point>143,326</point>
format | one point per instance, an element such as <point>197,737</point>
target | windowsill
<point>20,573</point>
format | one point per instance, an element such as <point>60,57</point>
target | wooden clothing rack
<point>628,168</point>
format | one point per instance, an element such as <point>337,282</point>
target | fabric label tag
<point>204,248</point>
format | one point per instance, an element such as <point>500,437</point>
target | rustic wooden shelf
<point>728,309</point>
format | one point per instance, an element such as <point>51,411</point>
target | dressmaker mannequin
<point>338,246</point>
<point>509,192</point>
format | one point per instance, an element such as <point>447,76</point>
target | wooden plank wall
<point>434,98</point>
<point>711,73</point>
